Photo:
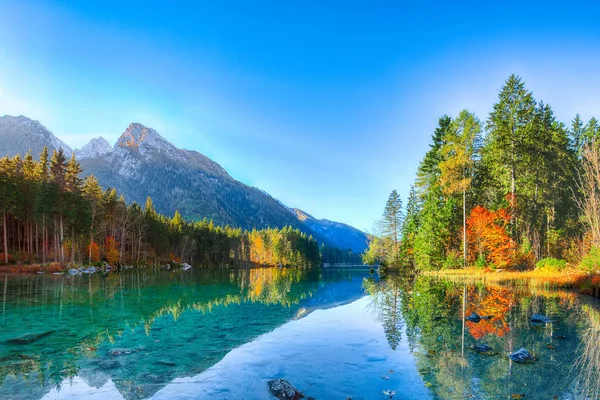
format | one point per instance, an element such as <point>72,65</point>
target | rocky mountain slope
<point>142,163</point>
<point>95,148</point>
<point>336,234</point>
<point>19,134</point>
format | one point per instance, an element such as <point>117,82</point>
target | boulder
<point>90,270</point>
<point>74,271</point>
<point>185,266</point>
<point>284,390</point>
<point>28,338</point>
<point>521,356</point>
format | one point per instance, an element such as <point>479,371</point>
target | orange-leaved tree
<point>488,237</point>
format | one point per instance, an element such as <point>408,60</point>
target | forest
<point>519,190</point>
<point>51,214</point>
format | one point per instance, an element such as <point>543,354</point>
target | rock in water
<point>483,349</point>
<point>284,390</point>
<point>28,338</point>
<point>185,266</point>
<point>521,356</point>
<point>109,364</point>
<point>540,319</point>
<point>165,363</point>
<point>474,318</point>
<point>120,351</point>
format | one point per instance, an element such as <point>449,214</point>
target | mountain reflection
<point>567,349</point>
<point>142,328</point>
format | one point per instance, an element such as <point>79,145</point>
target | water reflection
<point>139,334</point>
<point>141,329</point>
<point>475,364</point>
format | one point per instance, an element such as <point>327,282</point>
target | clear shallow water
<point>222,334</point>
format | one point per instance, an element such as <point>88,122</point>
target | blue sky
<point>328,106</point>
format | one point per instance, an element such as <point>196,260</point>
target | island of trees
<point>50,214</point>
<point>519,190</point>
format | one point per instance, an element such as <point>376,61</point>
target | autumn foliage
<point>111,248</point>
<point>494,302</point>
<point>487,236</point>
<point>94,251</point>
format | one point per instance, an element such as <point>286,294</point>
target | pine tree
<point>410,228</point>
<point>508,125</point>
<point>58,168</point>
<point>393,216</point>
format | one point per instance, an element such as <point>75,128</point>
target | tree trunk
<point>44,238</point>
<point>464,228</point>
<point>62,238</point>
<point>73,245</point>
<point>5,241</point>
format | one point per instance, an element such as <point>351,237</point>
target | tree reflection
<point>432,310</point>
<point>587,365</point>
<point>493,304</point>
<point>387,305</point>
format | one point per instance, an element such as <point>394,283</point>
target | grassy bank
<point>568,278</point>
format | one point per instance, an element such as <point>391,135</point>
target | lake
<point>333,333</point>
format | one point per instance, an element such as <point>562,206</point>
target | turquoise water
<point>333,333</point>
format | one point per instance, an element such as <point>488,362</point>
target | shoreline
<point>569,278</point>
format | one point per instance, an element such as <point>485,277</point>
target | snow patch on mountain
<point>95,148</point>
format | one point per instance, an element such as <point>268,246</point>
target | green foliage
<point>454,260</point>
<point>591,262</point>
<point>551,264</point>
<point>481,262</point>
<point>53,214</point>
<point>525,164</point>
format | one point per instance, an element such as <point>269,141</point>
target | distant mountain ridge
<point>338,234</point>
<point>142,163</point>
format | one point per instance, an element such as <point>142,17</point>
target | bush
<point>591,262</point>
<point>551,264</point>
<point>453,260</point>
<point>481,261</point>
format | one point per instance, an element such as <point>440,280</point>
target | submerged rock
<point>474,318</point>
<point>165,363</point>
<point>521,356</point>
<point>540,319</point>
<point>28,338</point>
<point>109,364</point>
<point>284,390</point>
<point>120,351</point>
<point>483,349</point>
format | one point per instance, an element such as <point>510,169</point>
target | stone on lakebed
<point>284,390</point>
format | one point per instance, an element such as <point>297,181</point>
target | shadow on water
<point>143,328</point>
<point>462,356</point>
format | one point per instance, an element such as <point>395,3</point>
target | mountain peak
<point>137,135</point>
<point>97,147</point>
<point>17,131</point>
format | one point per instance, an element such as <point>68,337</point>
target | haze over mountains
<point>142,163</point>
